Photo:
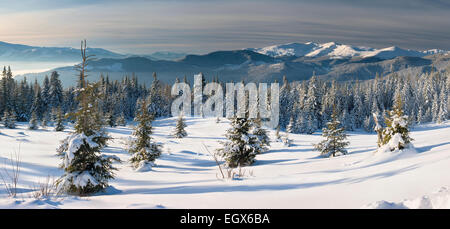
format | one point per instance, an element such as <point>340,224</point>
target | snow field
<point>294,177</point>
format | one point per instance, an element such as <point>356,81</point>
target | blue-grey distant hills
<point>18,52</point>
<point>296,61</point>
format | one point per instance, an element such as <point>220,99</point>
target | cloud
<point>200,26</point>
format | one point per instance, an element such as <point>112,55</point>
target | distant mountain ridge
<point>251,67</point>
<point>337,50</point>
<point>18,52</point>
<point>329,61</point>
<point>164,55</point>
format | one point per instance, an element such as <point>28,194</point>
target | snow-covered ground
<point>294,177</point>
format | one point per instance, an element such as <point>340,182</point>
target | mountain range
<point>337,51</point>
<point>19,52</point>
<point>297,61</point>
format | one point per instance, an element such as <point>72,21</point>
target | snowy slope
<point>290,49</point>
<point>336,50</point>
<point>292,177</point>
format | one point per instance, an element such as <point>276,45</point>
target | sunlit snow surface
<point>185,176</point>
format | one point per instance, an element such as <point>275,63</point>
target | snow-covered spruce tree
<point>241,146</point>
<point>347,120</point>
<point>286,102</point>
<point>290,125</point>
<point>46,94</point>
<point>120,121</point>
<point>59,125</point>
<point>33,123</point>
<point>435,108</point>
<point>53,116</point>
<point>312,106</point>
<point>86,170</point>
<point>158,103</point>
<point>335,141</point>
<point>9,119</point>
<point>44,122</point>
<point>260,133</point>
<point>443,109</point>
<point>179,131</point>
<point>396,134</point>
<point>56,91</point>
<point>369,123</point>
<point>144,152</point>
<point>37,101</point>
<point>300,124</point>
<point>111,119</point>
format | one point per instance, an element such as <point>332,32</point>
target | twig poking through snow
<point>215,159</point>
<point>11,179</point>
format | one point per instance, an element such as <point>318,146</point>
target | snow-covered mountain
<point>336,50</point>
<point>328,60</point>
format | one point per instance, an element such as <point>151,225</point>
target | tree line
<point>23,100</point>
<point>305,106</point>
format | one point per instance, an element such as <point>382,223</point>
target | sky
<point>201,26</point>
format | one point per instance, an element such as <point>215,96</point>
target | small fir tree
<point>44,122</point>
<point>368,123</point>
<point>54,116</point>
<point>9,119</point>
<point>180,131</point>
<point>33,123</point>
<point>144,152</point>
<point>59,125</point>
<point>86,170</point>
<point>335,138</point>
<point>300,124</point>
<point>420,116</point>
<point>396,133</point>
<point>241,147</point>
<point>443,109</point>
<point>290,126</point>
<point>121,120</point>
<point>260,133</point>
<point>111,119</point>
